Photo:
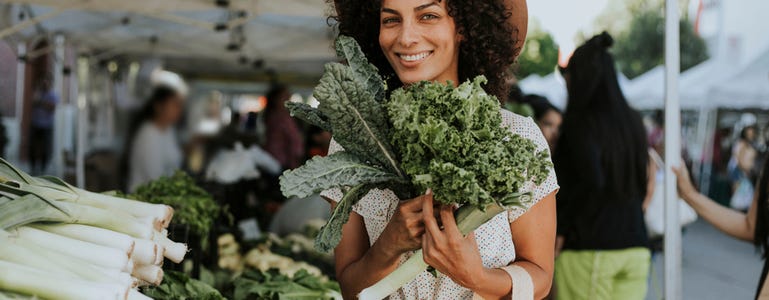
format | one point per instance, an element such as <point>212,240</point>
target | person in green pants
<point>602,164</point>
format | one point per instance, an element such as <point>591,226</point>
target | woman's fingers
<point>431,224</point>
<point>448,221</point>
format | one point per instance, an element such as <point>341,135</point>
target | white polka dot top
<point>494,238</point>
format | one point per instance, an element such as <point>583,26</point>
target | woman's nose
<point>409,35</point>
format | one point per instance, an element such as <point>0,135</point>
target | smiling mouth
<point>415,57</point>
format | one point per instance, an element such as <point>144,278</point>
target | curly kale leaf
<point>452,140</point>
<point>357,119</point>
<point>336,170</point>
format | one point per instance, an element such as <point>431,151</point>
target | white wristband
<point>523,286</point>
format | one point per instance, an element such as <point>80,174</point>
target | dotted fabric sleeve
<point>525,127</point>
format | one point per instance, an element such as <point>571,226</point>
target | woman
<point>153,147</point>
<point>741,171</point>
<point>752,226</point>
<point>511,255</point>
<point>282,140</point>
<point>602,166</point>
<point>547,116</point>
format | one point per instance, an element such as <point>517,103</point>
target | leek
<point>96,235</point>
<point>95,254</point>
<point>26,280</point>
<point>32,208</point>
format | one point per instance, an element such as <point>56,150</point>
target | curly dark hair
<point>487,47</point>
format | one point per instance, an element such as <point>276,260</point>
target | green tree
<point>640,46</point>
<point>539,55</point>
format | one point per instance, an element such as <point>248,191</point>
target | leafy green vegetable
<point>321,173</point>
<point>309,114</point>
<point>364,71</point>
<point>178,286</point>
<point>357,118</point>
<point>425,135</point>
<point>192,205</point>
<point>452,140</point>
<point>255,284</point>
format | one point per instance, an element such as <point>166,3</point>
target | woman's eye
<point>429,17</point>
<point>389,21</point>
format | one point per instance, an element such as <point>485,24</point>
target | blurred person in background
<point>41,126</point>
<point>547,116</point>
<point>602,165</point>
<point>153,147</point>
<point>752,226</point>
<point>317,142</point>
<point>283,139</point>
<point>741,168</point>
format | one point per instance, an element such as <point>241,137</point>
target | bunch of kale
<point>425,135</point>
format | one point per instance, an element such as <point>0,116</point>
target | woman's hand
<point>685,187</point>
<point>405,229</point>
<point>447,250</point>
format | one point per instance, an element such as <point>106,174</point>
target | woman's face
<point>170,111</point>
<point>419,39</point>
<point>550,124</point>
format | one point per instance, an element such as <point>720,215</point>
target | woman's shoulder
<point>523,126</point>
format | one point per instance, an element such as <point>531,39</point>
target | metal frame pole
<point>672,152</point>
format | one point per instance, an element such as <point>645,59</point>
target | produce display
<point>426,135</point>
<point>61,242</point>
<point>178,286</point>
<point>272,284</point>
<point>193,206</point>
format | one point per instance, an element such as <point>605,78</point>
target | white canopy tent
<point>553,87</point>
<point>291,37</point>
<point>748,89</point>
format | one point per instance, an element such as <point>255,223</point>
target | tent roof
<point>290,36</point>
<point>747,89</point>
<point>553,87</point>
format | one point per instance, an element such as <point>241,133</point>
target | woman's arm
<point>731,222</point>
<point>359,266</point>
<point>459,258</point>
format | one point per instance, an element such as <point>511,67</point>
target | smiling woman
<point>485,37</point>
<point>509,256</point>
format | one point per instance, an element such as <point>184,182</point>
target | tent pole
<point>83,70</point>
<point>57,161</point>
<point>672,152</point>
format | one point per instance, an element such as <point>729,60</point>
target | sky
<point>567,19</point>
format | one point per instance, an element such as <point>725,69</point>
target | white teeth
<point>415,57</point>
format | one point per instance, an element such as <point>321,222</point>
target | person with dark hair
<point>603,169</point>
<point>547,116</point>
<point>449,42</point>
<point>283,140</point>
<point>153,149</point>
<point>750,226</point>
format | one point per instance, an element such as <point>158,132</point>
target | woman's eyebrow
<point>423,6</point>
<point>390,10</point>
<point>418,8</point>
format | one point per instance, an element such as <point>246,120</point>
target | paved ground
<point>715,266</point>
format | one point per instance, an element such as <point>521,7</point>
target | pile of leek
<point>61,242</point>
